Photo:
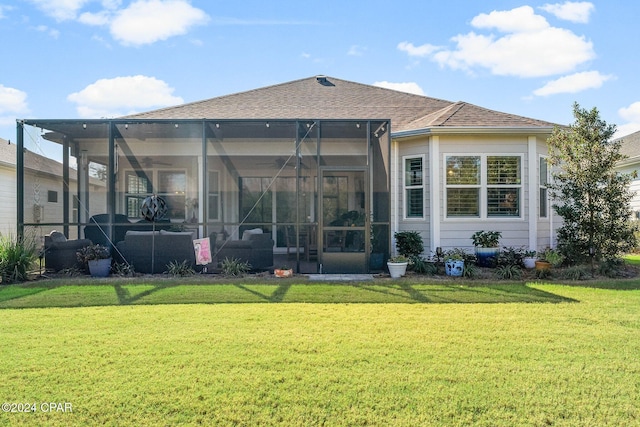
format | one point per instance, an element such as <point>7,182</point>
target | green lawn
<point>478,354</point>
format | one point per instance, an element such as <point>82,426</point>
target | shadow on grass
<point>277,296</point>
<point>463,294</point>
<point>90,293</point>
<point>125,297</point>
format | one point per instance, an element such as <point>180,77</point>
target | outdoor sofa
<point>152,251</point>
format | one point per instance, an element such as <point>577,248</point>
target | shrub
<point>486,239</point>
<point>180,269</point>
<point>17,256</point>
<point>611,267</point>
<point>409,243</point>
<point>509,271</point>
<point>123,269</point>
<point>511,256</point>
<point>234,267</point>
<point>422,266</point>
<point>576,272</point>
<point>470,270</point>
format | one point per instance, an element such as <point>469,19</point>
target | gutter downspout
<point>394,193</point>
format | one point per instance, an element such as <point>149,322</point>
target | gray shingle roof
<point>322,97</point>
<point>631,145</point>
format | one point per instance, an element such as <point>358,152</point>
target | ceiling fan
<point>280,163</point>
<point>148,162</point>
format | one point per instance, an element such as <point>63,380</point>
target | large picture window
<point>483,186</point>
<point>414,187</point>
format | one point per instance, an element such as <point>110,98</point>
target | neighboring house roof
<point>631,147</point>
<point>32,161</point>
<point>322,97</point>
<point>36,163</point>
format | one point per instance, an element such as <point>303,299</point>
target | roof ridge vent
<point>323,80</point>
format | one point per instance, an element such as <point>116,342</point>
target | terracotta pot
<point>543,265</point>
<point>279,272</point>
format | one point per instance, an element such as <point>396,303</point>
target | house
<point>631,149</point>
<point>330,168</point>
<point>43,200</point>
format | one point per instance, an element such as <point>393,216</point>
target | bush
<point>611,267</point>
<point>17,256</point>
<point>576,272</point>
<point>509,271</point>
<point>511,256</point>
<point>409,243</point>
<point>180,269</point>
<point>422,266</point>
<point>234,267</point>
<point>123,269</point>
<point>470,271</point>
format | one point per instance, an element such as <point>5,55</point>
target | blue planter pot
<point>487,257</point>
<point>99,267</point>
<point>453,267</point>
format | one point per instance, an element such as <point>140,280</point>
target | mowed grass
<point>561,356</point>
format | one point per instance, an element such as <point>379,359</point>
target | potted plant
<point>553,257</point>
<point>529,259</point>
<point>283,271</point>
<point>397,266</point>
<point>454,262</point>
<point>97,258</point>
<point>487,247</point>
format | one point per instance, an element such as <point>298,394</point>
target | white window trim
<point>483,186</point>
<point>422,157</point>
<point>540,186</point>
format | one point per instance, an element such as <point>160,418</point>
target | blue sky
<point>66,59</point>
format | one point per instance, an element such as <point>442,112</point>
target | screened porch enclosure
<point>320,188</point>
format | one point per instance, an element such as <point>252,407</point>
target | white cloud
<point>420,51</point>
<point>529,46</point>
<point>95,19</point>
<point>148,21</point>
<point>409,87</point>
<point>3,9</point>
<point>356,50</point>
<point>60,10</point>
<point>632,115</point>
<point>12,103</point>
<point>123,95</point>
<point>50,31</point>
<point>570,11</point>
<point>574,83</point>
<point>518,20</point>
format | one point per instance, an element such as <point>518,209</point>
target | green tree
<point>589,194</point>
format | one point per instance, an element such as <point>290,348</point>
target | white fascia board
<point>472,131</point>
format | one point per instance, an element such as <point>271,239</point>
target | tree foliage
<point>589,194</point>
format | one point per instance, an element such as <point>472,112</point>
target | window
<point>503,186</point>
<point>483,186</point>
<point>463,186</point>
<point>138,187</point>
<point>542,183</point>
<point>172,187</point>
<point>414,187</point>
<point>52,196</point>
<point>214,196</point>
